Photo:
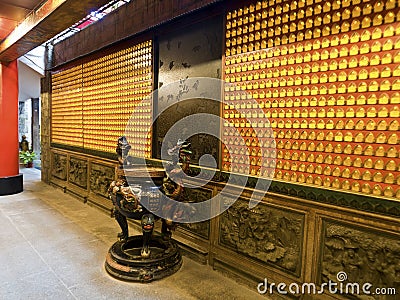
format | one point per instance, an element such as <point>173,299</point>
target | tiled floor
<point>53,246</point>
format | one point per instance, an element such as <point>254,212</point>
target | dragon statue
<point>127,198</point>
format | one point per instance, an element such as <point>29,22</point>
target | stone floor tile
<point>53,246</point>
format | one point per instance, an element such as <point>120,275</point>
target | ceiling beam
<point>45,22</point>
<point>12,12</point>
<point>18,6</point>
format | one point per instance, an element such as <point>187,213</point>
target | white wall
<point>29,74</point>
<point>28,82</point>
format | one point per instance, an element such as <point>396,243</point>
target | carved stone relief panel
<point>78,172</point>
<point>366,256</point>
<point>59,166</point>
<point>271,235</point>
<point>198,195</point>
<point>100,179</point>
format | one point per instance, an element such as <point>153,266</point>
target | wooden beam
<point>45,22</point>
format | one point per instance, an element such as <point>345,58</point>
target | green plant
<point>27,156</point>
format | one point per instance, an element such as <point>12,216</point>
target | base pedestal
<point>11,185</point>
<point>125,262</point>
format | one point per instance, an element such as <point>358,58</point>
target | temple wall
<point>322,77</point>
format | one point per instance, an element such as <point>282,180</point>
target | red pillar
<point>10,179</point>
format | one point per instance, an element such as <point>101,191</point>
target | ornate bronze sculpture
<point>173,186</point>
<point>159,255</point>
<point>24,144</point>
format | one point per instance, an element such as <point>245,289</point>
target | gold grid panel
<point>112,88</point>
<point>66,108</point>
<point>326,74</point>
